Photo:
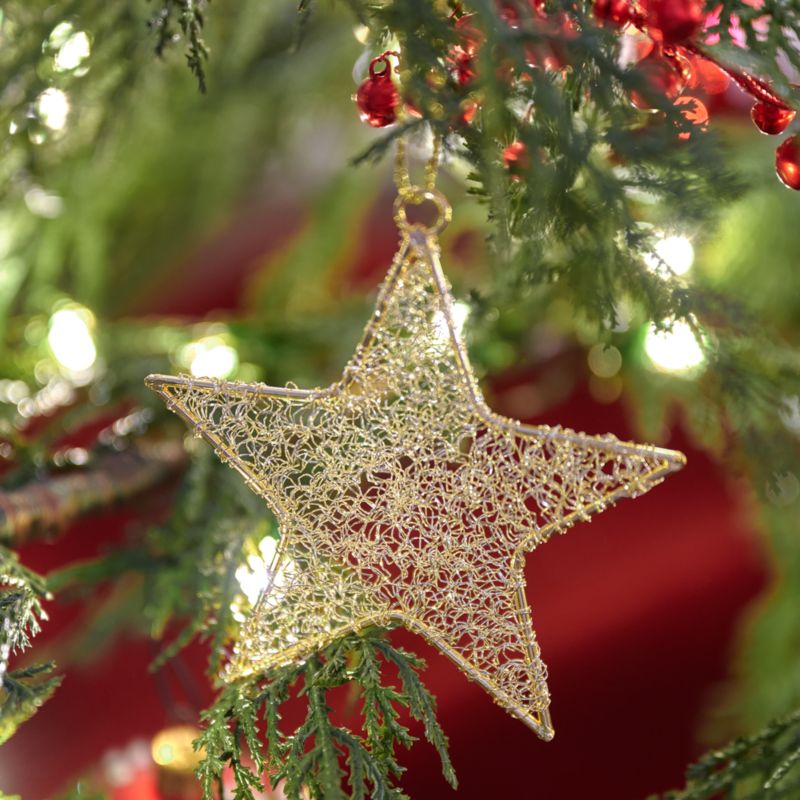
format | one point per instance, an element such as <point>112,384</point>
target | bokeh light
<point>460,312</point>
<point>674,251</point>
<point>604,361</point>
<point>73,52</point>
<point>70,338</point>
<point>52,106</point>
<point>210,357</point>
<point>675,350</point>
<point>254,576</point>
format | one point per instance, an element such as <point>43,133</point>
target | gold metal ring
<point>416,195</point>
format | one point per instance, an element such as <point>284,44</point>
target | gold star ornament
<point>402,498</point>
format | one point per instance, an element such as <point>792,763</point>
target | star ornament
<point>402,498</point>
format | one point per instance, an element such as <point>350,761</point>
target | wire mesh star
<point>401,498</point>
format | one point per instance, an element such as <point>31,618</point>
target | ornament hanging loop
<point>402,177</point>
<point>380,66</point>
<point>411,194</point>
<point>416,195</point>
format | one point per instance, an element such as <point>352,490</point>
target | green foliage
<point>186,567</point>
<point>26,688</point>
<point>196,555</point>
<point>190,21</point>
<point>765,766</point>
<point>768,30</point>
<point>312,759</point>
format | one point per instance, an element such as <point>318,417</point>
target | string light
<point>675,251</point>
<point>52,106</point>
<point>70,338</point>
<point>73,52</point>
<point>676,350</point>
<point>254,576</point>
<point>210,357</point>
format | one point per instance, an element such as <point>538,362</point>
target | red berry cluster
<point>378,98</point>
<point>673,60</point>
<point>670,61</point>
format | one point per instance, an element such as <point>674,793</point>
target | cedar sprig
<point>24,690</point>
<point>322,759</point>
<point>763,766</point>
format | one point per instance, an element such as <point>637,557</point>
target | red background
<point>635,614</point>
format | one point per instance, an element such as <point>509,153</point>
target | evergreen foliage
<point>23,689</point>
<point>311,759</point>
<point>759,767</point>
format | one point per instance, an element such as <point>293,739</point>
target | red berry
<point>708,76</point>
<point>772,119</point>
<point>509,13</point>
<point>471,36</point>
<point>662,77</point>
<point>462,65</point>
<point>617,12</point>
<point>467,111</point>
<point>377,98</point>
<point>787,162</point>
<point>516,159</point>
<point>673,20</point>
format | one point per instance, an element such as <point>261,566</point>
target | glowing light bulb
<point>210,357</point>
<point>676,350</point>
<point>73,52</point>
<point>676,252</point>
<point>254,576</point>
<point>70,338</point>
<point>52,107</point>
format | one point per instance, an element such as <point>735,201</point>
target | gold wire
<point>402,176</point>
<point>403,499</point>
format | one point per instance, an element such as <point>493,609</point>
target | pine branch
<point>421,702</point>
<point>312,759</point>
<point>23,690</point>
<point>749,768</point>
<point>186,567</point>
<point>770,32</point>
<point>44,507</point>
<point>191,19</point>
<point>324,755</point>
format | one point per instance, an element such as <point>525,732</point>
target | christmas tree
<point>578,207</point>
